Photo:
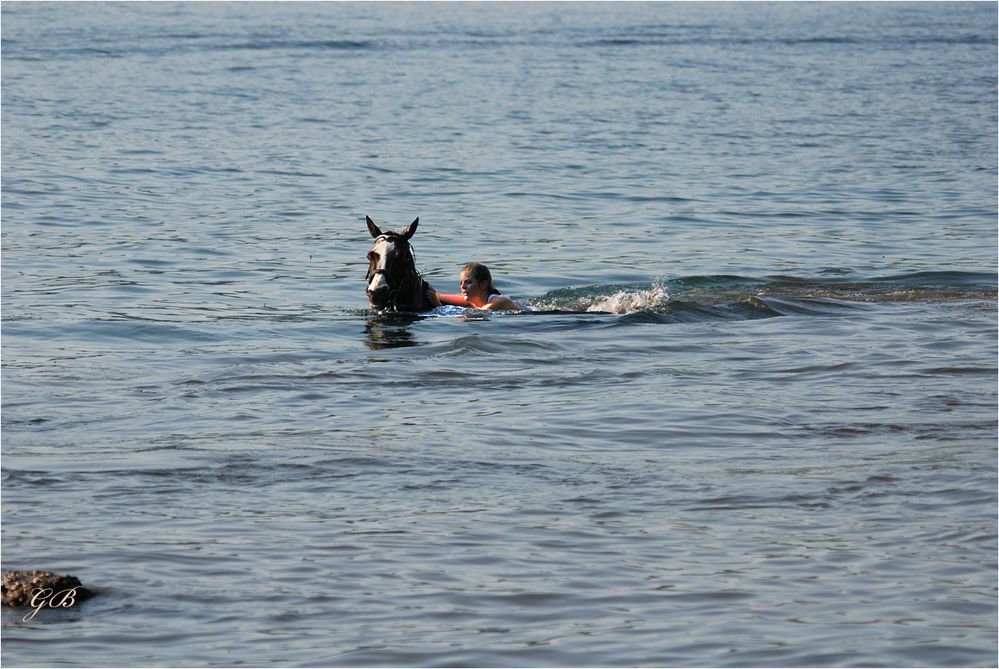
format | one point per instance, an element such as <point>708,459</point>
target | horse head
<point>393,282</point>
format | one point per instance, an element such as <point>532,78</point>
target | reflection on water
<point>390,331</point>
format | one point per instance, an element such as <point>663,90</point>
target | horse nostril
<point>378,296</point>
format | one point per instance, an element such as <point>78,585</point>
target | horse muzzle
<point>379,292</point>
<point>380,299</point>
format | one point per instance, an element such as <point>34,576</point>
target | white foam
<point>629,301</point>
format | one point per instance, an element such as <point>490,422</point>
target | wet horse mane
<point>393,282</point>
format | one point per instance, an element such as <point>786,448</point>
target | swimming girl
<point>478,291</point>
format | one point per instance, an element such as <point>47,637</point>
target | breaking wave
<point>615,299</point>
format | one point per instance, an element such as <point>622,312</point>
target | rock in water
<point>20,586</point>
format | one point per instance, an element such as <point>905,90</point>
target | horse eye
<point>372,256</point>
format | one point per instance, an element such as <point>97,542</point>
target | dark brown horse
<point>394,284</point>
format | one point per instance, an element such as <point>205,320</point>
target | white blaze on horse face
<point>381,249</point>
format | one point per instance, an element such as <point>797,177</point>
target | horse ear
<point>411,229</point>
<point>372,228</point>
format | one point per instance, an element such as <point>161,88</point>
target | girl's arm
<point>453,300</point>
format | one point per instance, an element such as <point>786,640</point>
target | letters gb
<point>42,596</point>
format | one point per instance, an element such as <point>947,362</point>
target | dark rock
<point>20,586</point>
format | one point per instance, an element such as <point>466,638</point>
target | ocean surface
<point>751,422</point>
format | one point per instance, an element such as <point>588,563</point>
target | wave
<point>20,51</point>
<point>618,299</point>
<point>925,286</point>
<point>729,297</point>
<point>145,48</point>
<point>640,39</point>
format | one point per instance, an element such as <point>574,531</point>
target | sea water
<point>751,421</point>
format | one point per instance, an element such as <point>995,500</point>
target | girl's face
<point>470,289</point>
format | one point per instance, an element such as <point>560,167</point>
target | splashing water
<point>629,301</point>
<point>613,299</point>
